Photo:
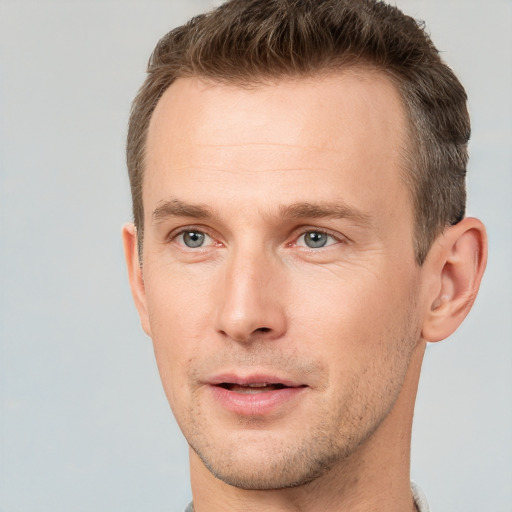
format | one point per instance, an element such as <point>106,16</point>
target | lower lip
<point>255,404</point>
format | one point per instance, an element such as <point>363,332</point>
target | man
<point>297,171</point>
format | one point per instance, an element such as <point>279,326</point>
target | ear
<point>135,276</point>
<point>455,265</point>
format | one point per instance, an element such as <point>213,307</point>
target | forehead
<point>337,133</point>
<point>360,97</point>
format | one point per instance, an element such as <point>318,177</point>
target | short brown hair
<point>255,41</point>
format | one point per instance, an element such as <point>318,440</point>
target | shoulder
<point>419,499</point>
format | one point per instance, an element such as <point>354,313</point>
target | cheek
<point>365,332</point>
<point>177,299</point>
<point>177,310</point>
<point>354,316</point>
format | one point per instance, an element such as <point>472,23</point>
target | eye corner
<point>314,239</point>
<point>191,238</point>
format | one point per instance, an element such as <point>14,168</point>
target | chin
<point>266,477</point>
<point>271,467</point>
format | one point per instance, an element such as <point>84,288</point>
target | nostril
<point>263,329</point>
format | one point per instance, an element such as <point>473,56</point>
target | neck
<point>374,477</point>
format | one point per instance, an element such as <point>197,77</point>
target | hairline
<point>409,149</point>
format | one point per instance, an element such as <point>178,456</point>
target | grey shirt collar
<point>419,499</point>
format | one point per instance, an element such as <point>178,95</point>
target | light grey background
<point>84,425</point>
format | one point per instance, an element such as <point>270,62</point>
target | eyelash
<point>301,232</point>
<point>329,234</point>
<point>188,229</point>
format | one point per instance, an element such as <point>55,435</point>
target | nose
<point>251,299</point>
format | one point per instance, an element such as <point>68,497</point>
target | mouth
<point>253,388</point>
<point>255,395</point>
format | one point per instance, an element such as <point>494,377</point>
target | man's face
<point>280,287</point>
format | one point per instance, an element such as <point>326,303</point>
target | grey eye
<point>315,239</point>
<point>193,239</point>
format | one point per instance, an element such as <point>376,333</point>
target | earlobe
<point>457,264</point>
<point>135,276</point>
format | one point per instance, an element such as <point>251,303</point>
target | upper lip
<point>252,380</point>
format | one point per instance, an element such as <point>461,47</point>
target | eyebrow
<point>176,208</point>
<point>339,210</point>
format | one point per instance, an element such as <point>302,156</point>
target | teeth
<point>252,387</point>
<point>248,390</point>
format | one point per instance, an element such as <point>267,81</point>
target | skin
<point>251,172</point>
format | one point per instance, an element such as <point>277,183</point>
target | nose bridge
<point>250,302</point>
